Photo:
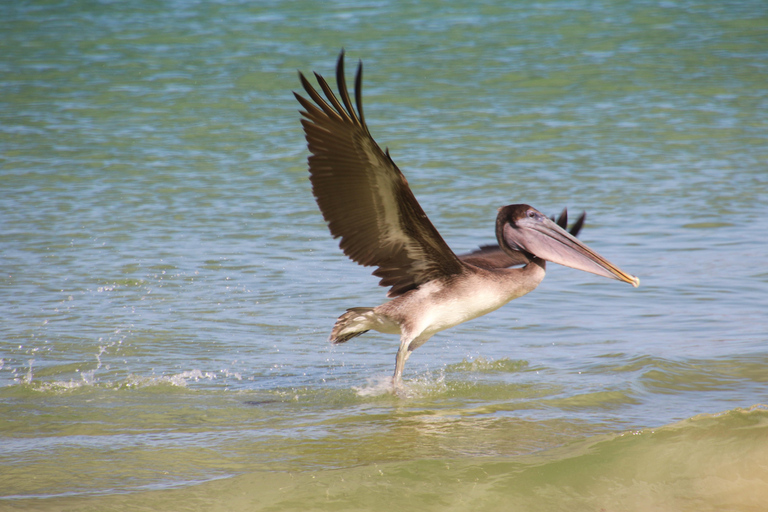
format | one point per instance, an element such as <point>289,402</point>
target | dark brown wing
<point>363,195</point>
<point>491,256</point>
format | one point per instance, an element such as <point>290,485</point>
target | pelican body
<point>367,202</point>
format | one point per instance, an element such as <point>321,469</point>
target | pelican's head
<point>520,227</point>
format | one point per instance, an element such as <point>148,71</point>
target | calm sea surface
<point>167,283</point>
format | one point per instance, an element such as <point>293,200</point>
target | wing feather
<point>362,194</point>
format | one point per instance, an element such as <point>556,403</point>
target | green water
<point>168,284</point>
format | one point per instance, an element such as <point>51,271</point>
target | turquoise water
<point>168,284</point>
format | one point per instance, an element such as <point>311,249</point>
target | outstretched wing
<point>491,256</point>
<point>363,195</point>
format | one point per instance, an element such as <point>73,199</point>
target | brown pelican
<point>367,202</point>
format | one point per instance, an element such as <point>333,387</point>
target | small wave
<point>178,380</point>
<point>131,381</point>
<point>483,365</point>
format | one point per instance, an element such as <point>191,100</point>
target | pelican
<point>367,202</point>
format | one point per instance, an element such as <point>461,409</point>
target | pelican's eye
<point>535,215</point>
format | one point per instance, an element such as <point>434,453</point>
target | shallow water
<point>168,283</point>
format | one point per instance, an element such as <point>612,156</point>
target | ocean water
<point>168,283</point>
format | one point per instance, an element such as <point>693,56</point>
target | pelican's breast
<point>444,304</point>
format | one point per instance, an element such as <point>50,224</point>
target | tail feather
<point>354,322</point>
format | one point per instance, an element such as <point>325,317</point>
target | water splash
<point>424,385</point>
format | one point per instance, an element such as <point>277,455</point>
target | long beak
<point>548,241</point>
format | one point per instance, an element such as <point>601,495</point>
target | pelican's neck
<point>527,278</point>
<point>536,270</point>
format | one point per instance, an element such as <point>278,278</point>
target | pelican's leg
<point>407,345</point>
<point>400,359</point>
